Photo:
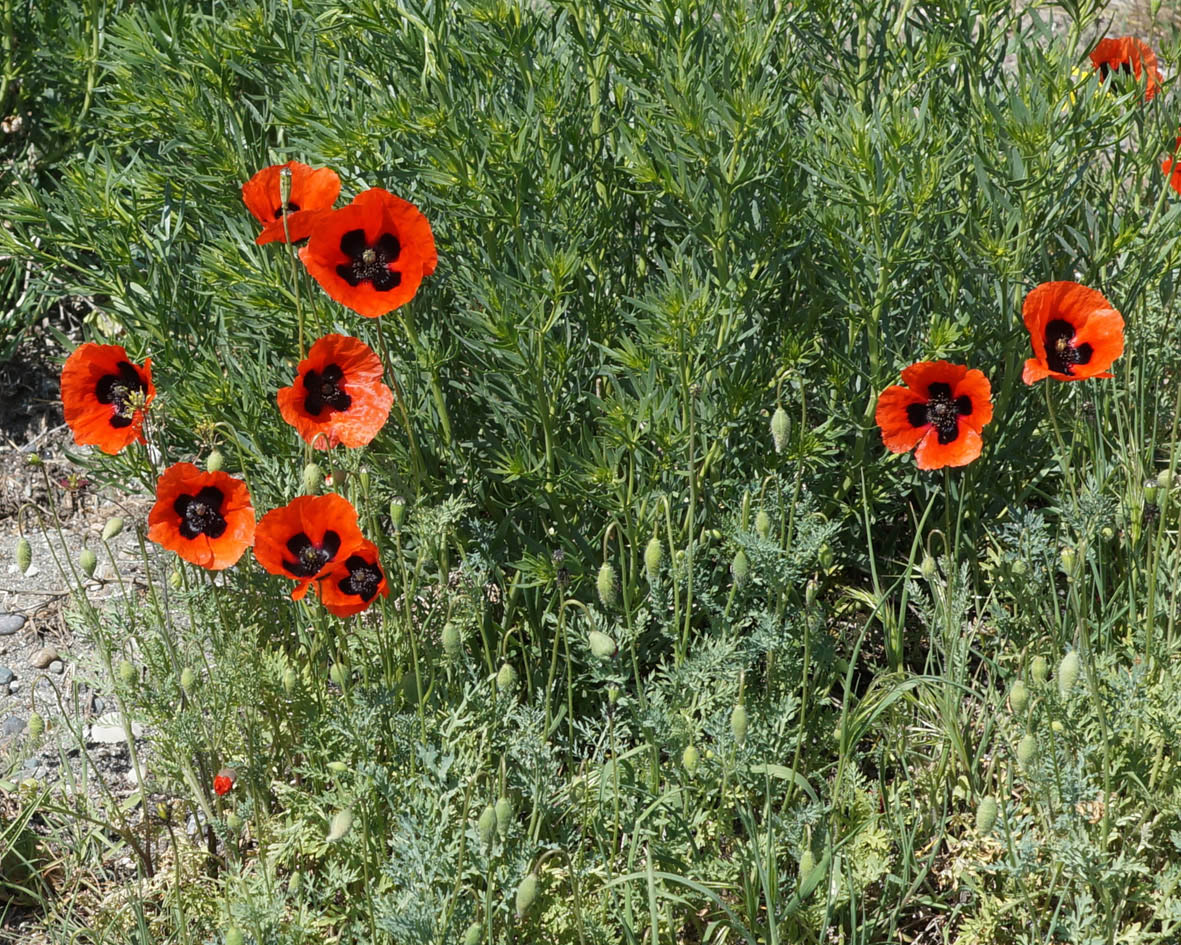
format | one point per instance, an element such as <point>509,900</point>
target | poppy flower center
<point>1125,67</point>
<point>369,262</point>
<point>200,514</point>
<point>325,390</point>
<point>363,580</point>
<point>310,558</point>
<point>289,208</point>
<point>1061,352</point>
<point>942,411</point>
<point>121,389</point>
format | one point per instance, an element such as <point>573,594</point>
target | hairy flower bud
<point>88,561</point>
<point>486,825</point>
<point>24,555</point>
<point>986,812</point>
<point>927,568</point>
<point>176,580</point>
<point>1068,671</point>
<point>313,479</point>
<point>740,568</point>
<point>738,723</point>
<point>233,823</point>
<point>36,725</point>
<point>289,680</point>
<point>504,815</point>
<point>473,935</point>
<point>452,640</point>
<point>506,678</point>
<point>526,894</point>
<point>127,673</point>
<point>653,558</point>
<point>342,822</point>
<point>1026,750</point>
<point>780,428</point>
<point>1039,669</point>
<point>1018,697</point>
<point>606,584</point>
<point>188,679</point>
<point>113,527</point>
<point>233,936</point>
<point>397,512</point>
<point>763,524</point>
<point>690,758</point>
<point>215,460</point>
<point>602,646</point>
<point>807,864</point>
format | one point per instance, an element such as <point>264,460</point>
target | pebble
<point>6,675</point>
<point>57,666</point>
<point>108,730</point>
<point>43,657</point>
<point>14,686</point>
<point>13,725</point>
<point>10,623</point>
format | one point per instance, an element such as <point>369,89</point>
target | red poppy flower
<point>205,517</point>
<point>355,582</point>
<point>224,781</point>
<point>373,254</point>
<point>941,410</point>
<point>1075,331</point>
<point>307,538</point>
<point>105,396</point>
<point>1129,56</point>
<point>313,192</point>
<point>1173,168</point>
<point>338,396</point>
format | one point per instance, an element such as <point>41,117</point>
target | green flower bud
<point>762,524</point>
<point>341,824</point>
<point>1151,488</point>
<point>526,894</point>
<point>233,823</point>
<point>215,460</point>
<point>313,479</point>
<point>504,815</point>
<point>690,758</point>
<point>33,459</point>
<point>88,561</point>
<point>825,556</point>
<point>337,767</point>
<point>506,678</point>
<point>127,673</point>
<point>1018,697</point>
<point>188,679</point>
<point>780,428</point>
<point>986,815</point>
<point>1019,567</point>
<point>233,937</point>
<point>1026,750</point>
<point>1067,557</point>
<point>738,723</point>
<point>176,580</point>
<point>24,555</point>
<point>1164,479</point>
<point>486,825</point>
<point>113,528</point>
<point>807,864</point>
<point>1039,669</point>
<point>653,558</point>
<point>602,646</point>
<point>294,882</point>
<point>36,725</point>
<point>363,478</point>
<point>397,512</point>
<point>473,935</point>
<point>606,584</point>
<point>810,591</point>
<point>1107,532</point>
<point>339,477</point>
<point>740,568</point>
<point>338,674</point>
<point>928,568</point>
<point>452,640</point>
<point>289,680</point>
<point>612,694</point>
<point>1068,671</point>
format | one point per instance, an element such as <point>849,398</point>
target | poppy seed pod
<point>341,824</point>
<point>738,723</point>
<point>313,479</point>
<point>653,558</point>
<point>526,895</point>
<point>740,568</point>
<point>24,555</point>
<point>215,460</point>
<point>486,825</point>
<point>986,812</point>
<point>506,678</point>
<point>602,646</point>
<point>690,758</point>
<point>1039,669</point>
<point>606,584</point>
<point>1068,671</point>
<point>1026,750</point>
<point>474,933</point>
<point>87,561</point>
<point>504,815</point>
<point>1018,697</point>
<point>780,428</point>
<point>113,527</point>
<point>763,524</point>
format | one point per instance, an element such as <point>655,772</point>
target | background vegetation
<point>657,222</point>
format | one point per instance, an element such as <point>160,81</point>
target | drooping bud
<point>1068,671</point>
<point>606,584</point>
<point>738,723</point>
<point>339,478</point>
<point>113,527</point>
<point>215,460</point>
<point>810,591</point>
<point>1018,697</point>
<point>928,568</point>
<point>526,894</point>
<point>289,680</point>
<point>1164,479</point>
<point>986,812</point>
<point>127,673</point>
<point>486,825</point>
<point>690,758</point>
<point>24,555</point>
<point>807,864</point>
<point>504,815</point>
<point>780,428</point>
<point>474,933</point>
<point>176,580</point>
<point>506,678</point>
<point>602,646</point>
<point>740,568</point>
<point>233,823</point>
<point>1040,670</point>
<point>294,882</point>
<point>338,767</point>
<point>338,674</point>
<point>1067,557</point>
<point>33,459</point>
<point>342,822</point>
<point>825,556</point>
<point>313,479</point>
<point>397,512</point>
<point>88,561</point>
<point>653,558</point>
<point>188,679</point>
<point>452,640</point>
<point>763,524</point>
<point>36,725</point>
<point>233,936</point>
<point>1026,750</point>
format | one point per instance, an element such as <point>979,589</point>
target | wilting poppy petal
<point>313,191</point>
<point>305,539</point>
<point>1074,331</point>
<point>355,583</point>
<point>205,517</point>
<point>1130,56</point>
<point>1172,168</point>
<point>338,396</point>
<point>373,254</point>
<point>941,409</point>
<point>105,396</point>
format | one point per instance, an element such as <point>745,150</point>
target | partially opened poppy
<point>941,409</point>
<point>355,582</point>
<point>338,396</point>
<point>105,396</point>
<point>1129,56</point>
<point>205,517</point>
<point>1172,167</point>
<point>307,538</point>
<point>1076,333</point>
<point>313,192</point>
<point>224,781</point>
<point>373,254</point>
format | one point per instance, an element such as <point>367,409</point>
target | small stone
<point>108,730</point>
<point>43,657</point>
<point>99,705</point>
<point>6,675</point>
<point>14,686</point>
<point>13,725</point>
<point>10,623</point>
<point>57,666</point>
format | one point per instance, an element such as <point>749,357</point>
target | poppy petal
<point>974,385</point>
<point>355,583</point>
<point>899,435</point>
<point>312,192</point>
<point>105,396</point>
<point>932,454</point>
<point>304,539</point>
